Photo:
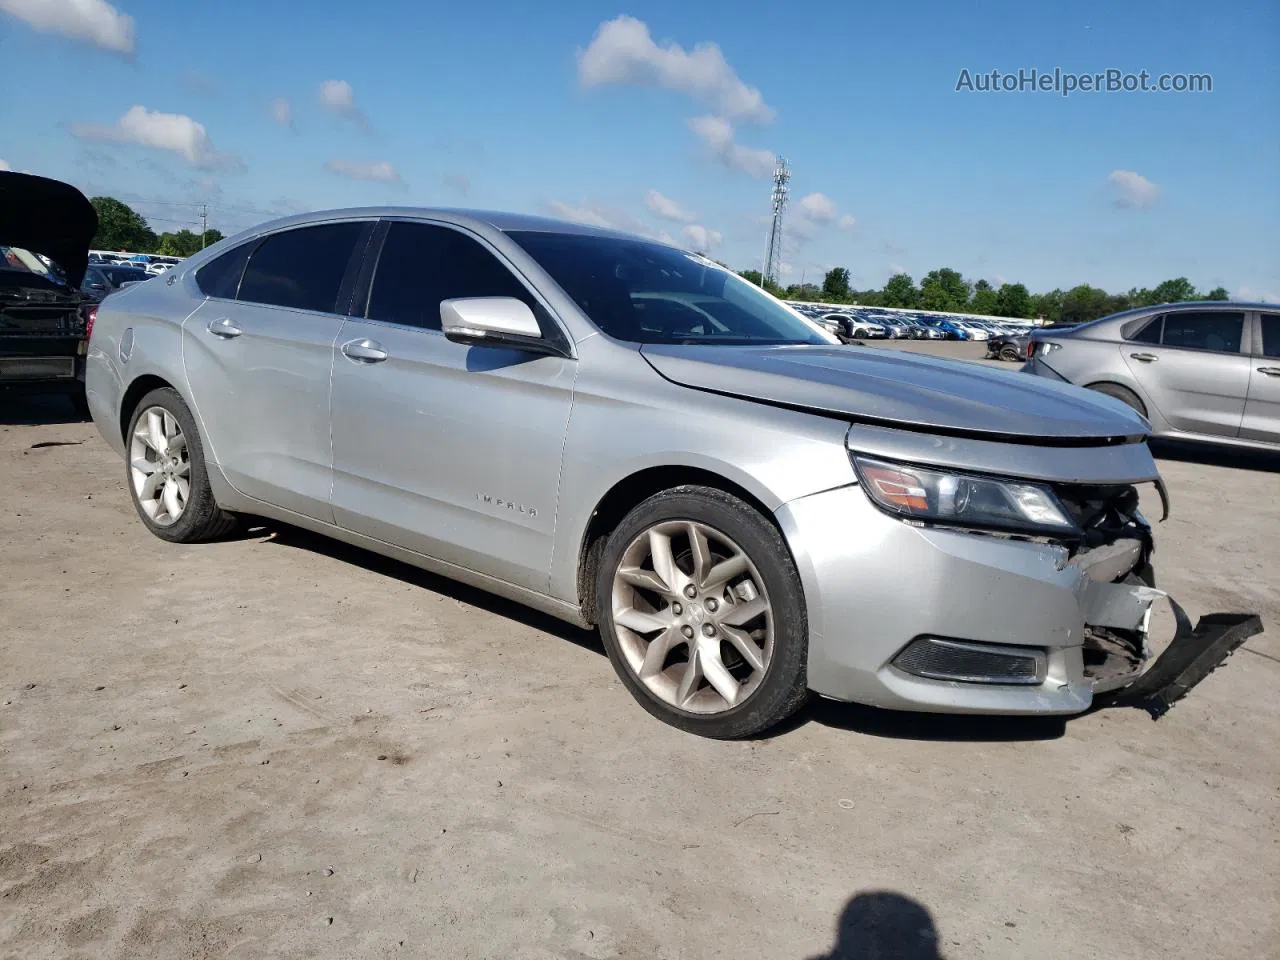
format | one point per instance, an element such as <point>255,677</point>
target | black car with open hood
<point>46,227</point>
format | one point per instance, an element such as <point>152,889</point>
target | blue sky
<point>664,122</point>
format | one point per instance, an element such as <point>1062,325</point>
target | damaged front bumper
<point>932,619</point>
<point>1117,600</point>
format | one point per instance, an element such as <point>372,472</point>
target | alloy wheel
<point>692,616</point>
<point>160,466</point>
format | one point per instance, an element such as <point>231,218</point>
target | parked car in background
<point>1206,370</point>
<point>949,329</point>
<point>45,319</point>
<point>625,434</point>
<point>1008,346</point>
<point>117,276</point>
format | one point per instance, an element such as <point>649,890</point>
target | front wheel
<point>702,613</point>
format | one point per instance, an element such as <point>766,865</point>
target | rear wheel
<point>166,472</point>
<point>1010,353</point>
<point>1123,394</point>
<point>702,614</point>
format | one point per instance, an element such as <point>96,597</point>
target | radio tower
<point>773,256</point>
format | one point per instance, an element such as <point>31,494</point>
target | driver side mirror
<point>494,322</point>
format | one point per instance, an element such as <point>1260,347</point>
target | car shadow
<point>883,925</point>
<point>1208,454</point>
<point>279,534</point>
<point>37,410</point>
<point>855,718</point>
<point>937,727</point>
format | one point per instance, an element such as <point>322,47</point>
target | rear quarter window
<point>220,277</point>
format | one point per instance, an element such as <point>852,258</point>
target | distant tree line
<point>120,227</point>
<point>946,290</point>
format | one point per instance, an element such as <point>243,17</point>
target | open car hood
<point>48,217</point>
<point>903,390</point>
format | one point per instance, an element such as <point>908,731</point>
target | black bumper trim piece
<point>1192,656</point>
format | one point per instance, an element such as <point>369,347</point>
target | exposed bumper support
<point>1193,655</point>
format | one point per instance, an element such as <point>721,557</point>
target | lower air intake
<point>937,659</point>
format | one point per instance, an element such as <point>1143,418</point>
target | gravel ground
<point>281,746</point>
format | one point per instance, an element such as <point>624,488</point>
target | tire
<point>771,688</point>
<point>1009,353</point>
<point>200,518</point>
<point>1123,394</point>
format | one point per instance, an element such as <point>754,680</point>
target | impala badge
<point>501,504</point>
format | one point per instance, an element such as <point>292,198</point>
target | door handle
<point>224,328</point>
<point>1144,357</point>
<point>1270,371</point>
<point>364,351</point>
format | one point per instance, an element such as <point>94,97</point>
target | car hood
<point>903,390</point>
<point>48,217</point>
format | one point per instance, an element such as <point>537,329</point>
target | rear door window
<point>302,268</point>
<point>1271,335</point>
<point>1218,331</point>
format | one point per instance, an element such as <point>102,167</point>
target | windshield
<point>650,293</point>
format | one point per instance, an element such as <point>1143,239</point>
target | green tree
<point>900,291</point>
<point>804,291</point>
<point>1217,293</point>
<point>1175,291</point>
<point>1013,300</point>
<point>212,236</point>
<point>1083,303</point>
<point>120,227</point>
<point>835,285</point>
<point>751,276</point>
<point>868,298</point>
<point>181,244</point>
<point>944,289</point>
<point>1047,306</point>
<point>984,299</point>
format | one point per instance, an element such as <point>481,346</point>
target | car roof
<point>506,222</point>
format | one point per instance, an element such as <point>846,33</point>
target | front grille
<point>936,658</point>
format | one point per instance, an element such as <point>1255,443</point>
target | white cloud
<point>458,182</point>
<point>847,222</point>
<point>717,134</point>
<point>664,208</point>
<point>1254,295</point>
<point>896,268</point>
<point>1133,190</point>
<point>282,112</point>
<point>377,172</point>
<point>598,215</point>
<point>623,51</point>
<point>4,165</point>
<point>338,98</point>
<point>817,207</point>
<point>702,239</point>
<point>94,22</point>
<point>173,132</point>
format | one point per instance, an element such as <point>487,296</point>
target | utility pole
<point>204,222</point>
<point>778,202</point>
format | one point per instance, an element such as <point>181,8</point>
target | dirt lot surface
<point>279,746</point>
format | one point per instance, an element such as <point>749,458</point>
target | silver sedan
<point>627,435</point>
<point>1205,371</point>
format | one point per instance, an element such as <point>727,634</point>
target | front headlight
<point>939,496</point>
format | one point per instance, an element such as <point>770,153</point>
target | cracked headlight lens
<point>940,496</point>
